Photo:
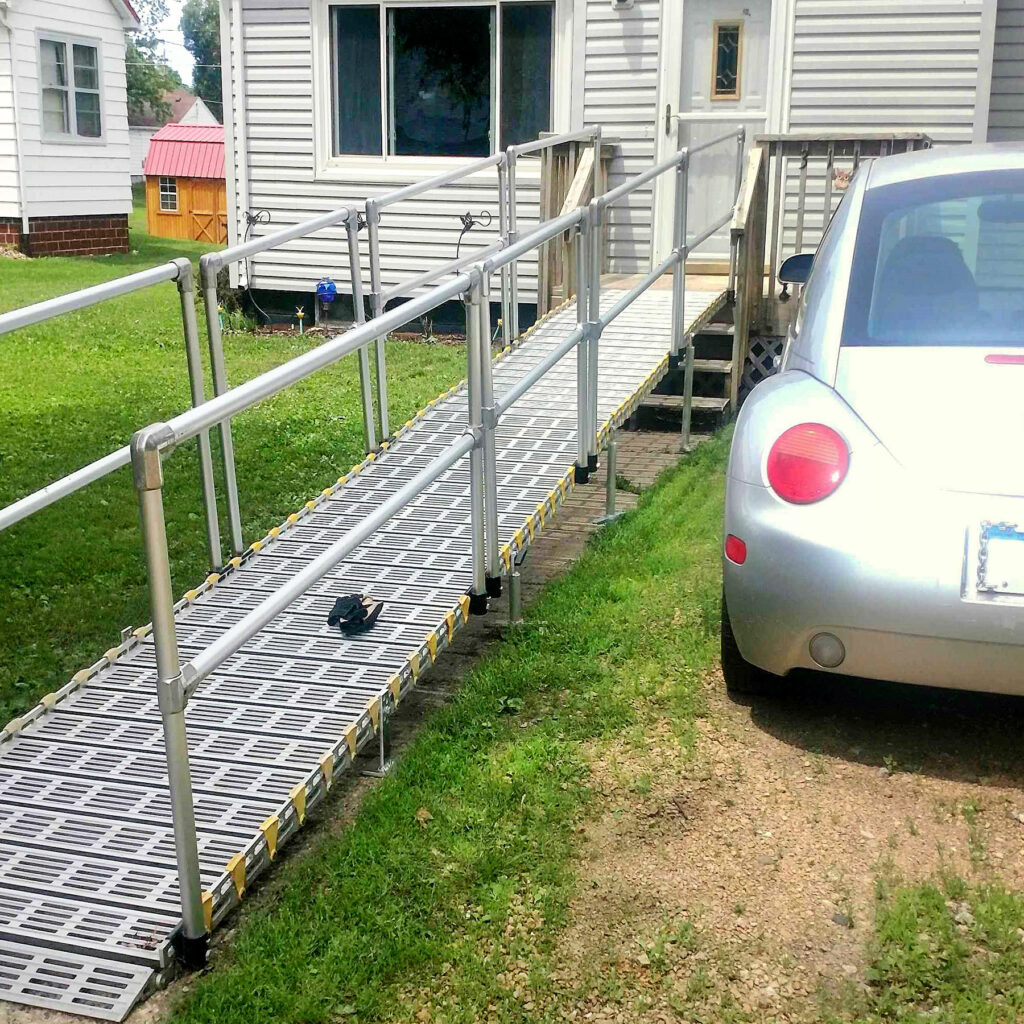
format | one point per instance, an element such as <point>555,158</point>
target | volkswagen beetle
<point>874,510</point>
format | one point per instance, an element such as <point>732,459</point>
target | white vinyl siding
<point>9,205</point>
<point>72,177</point>
<point>620,93</point>
<point>879,66</point>
<point>281,175</point>
<point>1006,107</point>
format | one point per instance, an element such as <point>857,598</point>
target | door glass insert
<point>725,79</point>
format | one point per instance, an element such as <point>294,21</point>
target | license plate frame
<point>1001,559</point>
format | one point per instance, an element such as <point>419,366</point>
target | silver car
<point>874,519</point>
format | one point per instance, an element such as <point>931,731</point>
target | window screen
<point>440,80</point>
<point>356,75</point>
<point>525,71</point>
<point>54,65</point>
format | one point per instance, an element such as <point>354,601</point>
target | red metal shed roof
<point>187,151</point>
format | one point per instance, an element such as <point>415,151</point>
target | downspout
<point>19,163</point>
<point>241,142</point>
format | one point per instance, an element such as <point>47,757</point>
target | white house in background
<point>331,101</point>
<point>186,108</point>
<point>64,181</point>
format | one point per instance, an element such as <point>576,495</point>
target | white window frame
<point>390,168</point>
<point>160,194</point>
<point>69,42</point>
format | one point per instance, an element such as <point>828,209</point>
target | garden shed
<point>185,192</point>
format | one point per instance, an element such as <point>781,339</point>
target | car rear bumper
<point>892,580</point>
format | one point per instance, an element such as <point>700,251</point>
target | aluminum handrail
<point>717,140</point>
<point>212,262</point>
<point>31,503</point>
<point>547,141</point>
<point>270,382</point>
<point>548,230</point>
<point>85,297</point>
<point>451,267</point>
<point>629,297</point>
<point>613,195</point>
<point>514,393</point>
<point>230,642</point>
<point>417,188</point>
<point>180,271</point>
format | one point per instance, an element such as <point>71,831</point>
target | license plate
<point>1001,559</point>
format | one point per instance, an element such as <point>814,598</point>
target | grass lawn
<point>76,388</point>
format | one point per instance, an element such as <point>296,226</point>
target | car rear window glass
<point>940,261</point>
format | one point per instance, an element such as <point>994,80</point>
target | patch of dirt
<point>737,882</point>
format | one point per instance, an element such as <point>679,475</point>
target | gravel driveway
<point>745,875</point>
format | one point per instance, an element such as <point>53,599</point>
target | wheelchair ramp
<point>88,888</point>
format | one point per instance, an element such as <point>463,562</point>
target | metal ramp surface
<point>88,886</point>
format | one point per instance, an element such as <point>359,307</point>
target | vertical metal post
<point>515,596</point>
<point>483,342</point>
<point>596,178</point>
<point>506,284</point>
<point>474,389</point>
<point>687,391</point>
<point>596,213</point>
<point>741,138</point>
<point>186,293</point>
<point>365,386</point>
<point>220,386</point>
<point>377,307</point>
<point>513,236</point>
<point>680,251</point>
<point>583,241</point>
<point>148,475</point>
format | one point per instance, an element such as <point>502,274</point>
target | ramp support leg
<point>385,762</point>
<point>148,475</point>
<point>611,458</point>
<point>679,250</point>
<point>515,596</point>
<point>687,392</point>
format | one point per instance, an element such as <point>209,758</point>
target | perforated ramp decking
<point>88,890</point>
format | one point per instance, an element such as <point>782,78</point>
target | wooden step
<point>719,329</point>
<point>713,365</point>
<point>700,402</point>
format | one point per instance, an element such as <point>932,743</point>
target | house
<point>65,187</point>
<point>331,101</point>
<point>186,108</point>
<point>185,194</point>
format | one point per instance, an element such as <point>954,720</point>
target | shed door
<point>724,80</point>
<point>209,214</point>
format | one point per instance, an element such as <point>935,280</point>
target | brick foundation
<point>10,231</point>
<point>68,236</point>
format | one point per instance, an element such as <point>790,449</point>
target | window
<point>939,261</point>
<point>443,91</point>
<point>70,91</point>
<point>725,78</point>
<point>168,195</point>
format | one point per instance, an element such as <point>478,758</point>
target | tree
<point>147,72</point>
<point>200,25</point>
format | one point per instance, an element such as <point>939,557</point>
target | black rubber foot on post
<point>592,463</point>
<point>477,604</point>
<point>582,474</point>
<point>494,586</point>
<point>673,361</point>
<point>192,952</point>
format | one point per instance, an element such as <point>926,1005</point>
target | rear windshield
<point>940,261</point>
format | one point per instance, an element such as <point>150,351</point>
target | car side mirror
<point>795,270</point>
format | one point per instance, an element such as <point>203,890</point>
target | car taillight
<point>807,463</point>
